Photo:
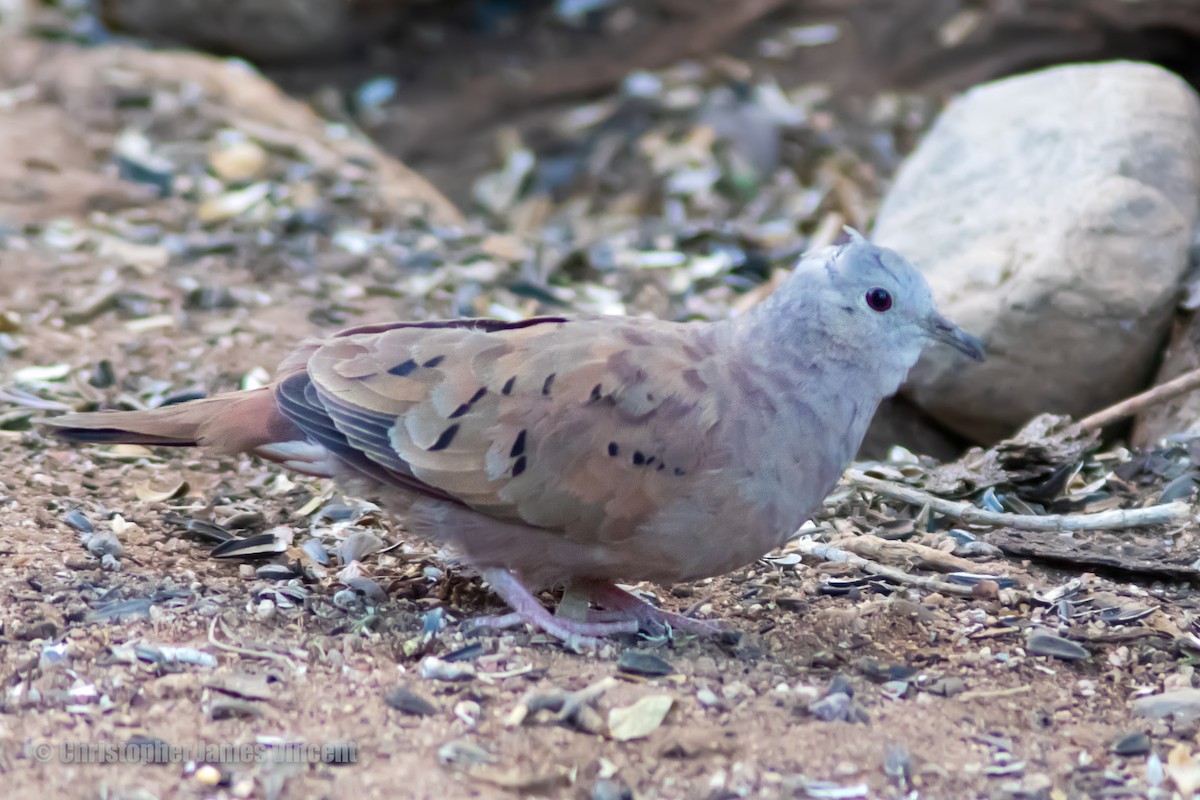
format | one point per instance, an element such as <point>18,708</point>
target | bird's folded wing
<point>586,426</point>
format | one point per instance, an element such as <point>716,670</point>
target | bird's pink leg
<point>621,602</point>
<point>527,609</point>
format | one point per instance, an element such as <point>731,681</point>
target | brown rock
<point>46,169</point>
<point>54,148</point>
<point>986,590</point>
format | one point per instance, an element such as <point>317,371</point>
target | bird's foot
<point>527,609</point>
<point>617,601</point>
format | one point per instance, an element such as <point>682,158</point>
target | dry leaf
<point>146,492</point>
<point>1184,770</point>
<point>640,719</point>
<point>120,525</point>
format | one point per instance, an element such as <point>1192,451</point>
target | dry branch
<point>1187,382</point>
<point>911,554</point>
<point>830,552</point>
<point>1117,519</point>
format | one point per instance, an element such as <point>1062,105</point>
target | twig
<point>1117,519</point>
<point>911,554</point>
<point>993,633</point>
<point>1118,635</point>
<point>1187,382</point>
<point>831,553</point>
<point>245,651</point>
<point>567,705</point>
<point>989,694</point>
<point>19,397</point>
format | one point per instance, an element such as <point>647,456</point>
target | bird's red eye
<point>879,299</point>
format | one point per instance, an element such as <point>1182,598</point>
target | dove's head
<point>868,303</point>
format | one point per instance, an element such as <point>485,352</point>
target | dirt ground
<point>973,716</point>
<point>881,694</point>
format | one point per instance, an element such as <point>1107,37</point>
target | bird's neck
<point>824,389</point>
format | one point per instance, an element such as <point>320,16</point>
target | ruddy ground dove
<point>588,450</point>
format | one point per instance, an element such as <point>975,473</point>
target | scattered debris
<point>1181,704</point>
<point>1045,643</point>
<point>407,701</point>
<point>640,662</point>
<point>640,719</point>
<point>436,669</point>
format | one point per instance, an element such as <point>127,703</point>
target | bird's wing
<point>585,426</point>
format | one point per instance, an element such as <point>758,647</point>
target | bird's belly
<point>690,538</point>
<point>693,539</point>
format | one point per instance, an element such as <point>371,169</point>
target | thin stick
<point>1117,519</point>
<point>831,553</point>
<point>989,694</point>
<point>1186,382</point>
<point>245,651</point>
<point>912,554</point>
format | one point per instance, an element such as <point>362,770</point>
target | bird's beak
<point>943,330</point>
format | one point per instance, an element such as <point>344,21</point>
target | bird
<point>585,451</point>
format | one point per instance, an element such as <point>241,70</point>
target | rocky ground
<point>173,224</point>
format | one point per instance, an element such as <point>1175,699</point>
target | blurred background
<point>669,158</point>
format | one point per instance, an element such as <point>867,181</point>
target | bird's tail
<point>231,423</point>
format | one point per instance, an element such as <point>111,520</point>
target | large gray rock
<point>1052,214</point>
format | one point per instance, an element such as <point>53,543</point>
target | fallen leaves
<point>639,720</point>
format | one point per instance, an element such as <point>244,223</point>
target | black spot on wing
<point>302,404</point>
<point>479,324</point>
<point>518,447</point>
<point>518,467</point>
<point>445,439</point>
<point>549,383</point>
<point>404,368</point>
<point>613,449</point>
<point>465,407</point>
<point>508,385</point>
<point>433,362</point>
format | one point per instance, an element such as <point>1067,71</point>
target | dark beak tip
<point>971,347</point>
<point>950,334</point>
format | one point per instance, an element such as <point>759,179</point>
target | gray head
<point>867,302</point>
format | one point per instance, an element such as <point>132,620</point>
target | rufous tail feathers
<point>227,423</point>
